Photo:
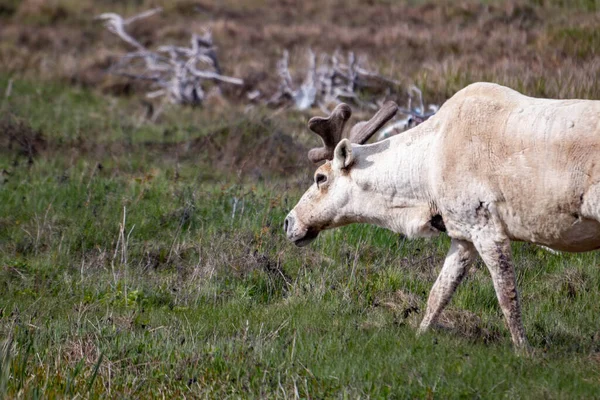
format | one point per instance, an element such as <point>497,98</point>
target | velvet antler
<point>362,132</point>
<point>331,129</point>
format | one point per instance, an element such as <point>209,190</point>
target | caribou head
<point>335,196</point>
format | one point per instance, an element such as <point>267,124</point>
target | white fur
<point>493,164</point>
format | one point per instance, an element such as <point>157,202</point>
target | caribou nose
<point>288,223</point>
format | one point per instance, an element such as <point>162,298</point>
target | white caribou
<point>491,166</point>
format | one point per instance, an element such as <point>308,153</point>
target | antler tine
<point>330,129</point>
<point>363,131</point>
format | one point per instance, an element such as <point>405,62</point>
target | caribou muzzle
<point>300,236</point>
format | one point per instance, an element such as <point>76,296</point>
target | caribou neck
<point>395,174</point>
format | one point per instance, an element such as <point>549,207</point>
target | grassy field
<point>146,259</point>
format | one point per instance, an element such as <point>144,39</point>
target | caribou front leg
<point>457,263</point>
<point>497,257</point>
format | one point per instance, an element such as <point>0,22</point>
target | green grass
<point>161,274</point>
<point>578,42</point>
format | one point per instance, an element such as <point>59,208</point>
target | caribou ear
<point>342,155</point>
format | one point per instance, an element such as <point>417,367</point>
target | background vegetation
<point>146,259</point>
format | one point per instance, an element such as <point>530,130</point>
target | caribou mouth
<point>306,239</point>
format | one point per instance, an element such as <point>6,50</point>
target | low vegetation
<point>146,258</point>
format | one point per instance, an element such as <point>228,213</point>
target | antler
<point>363,131</point>
<point>331,129</point>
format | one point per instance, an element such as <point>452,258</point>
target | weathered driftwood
<point>180,73</point>
<point>183,74</point>
<point>330,80</point>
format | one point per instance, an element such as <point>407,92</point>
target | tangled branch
<point>180,73</point>
<point>413,115</point>
<point>329,81</point>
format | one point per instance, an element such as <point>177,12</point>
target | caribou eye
<point>320,178</point>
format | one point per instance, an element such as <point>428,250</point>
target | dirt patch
<point>17,137</point>
<point>571,283</point>
<point>249,148</point>
<point>401,300</point>
<point>254,148</point>
<point>469,325</point>
<point>405,306</point>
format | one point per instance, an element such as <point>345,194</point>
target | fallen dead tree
<point>330,80</point>
<point>180,73</point>
<point>184,75</point>
<point>333,79</point>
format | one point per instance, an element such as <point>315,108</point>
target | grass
<point>159,276</point>
<point>146,259</point>
<point>541,47</point>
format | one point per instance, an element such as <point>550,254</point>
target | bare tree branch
<point>178,72</point>
<point>329,81</point>
<point>413,116</point>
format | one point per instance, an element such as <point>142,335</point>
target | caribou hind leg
<point>457,264</point>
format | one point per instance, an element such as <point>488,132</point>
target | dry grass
<point>468,325</point>
<point>440,45</point>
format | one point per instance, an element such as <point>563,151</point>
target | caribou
<point>490,167</point>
